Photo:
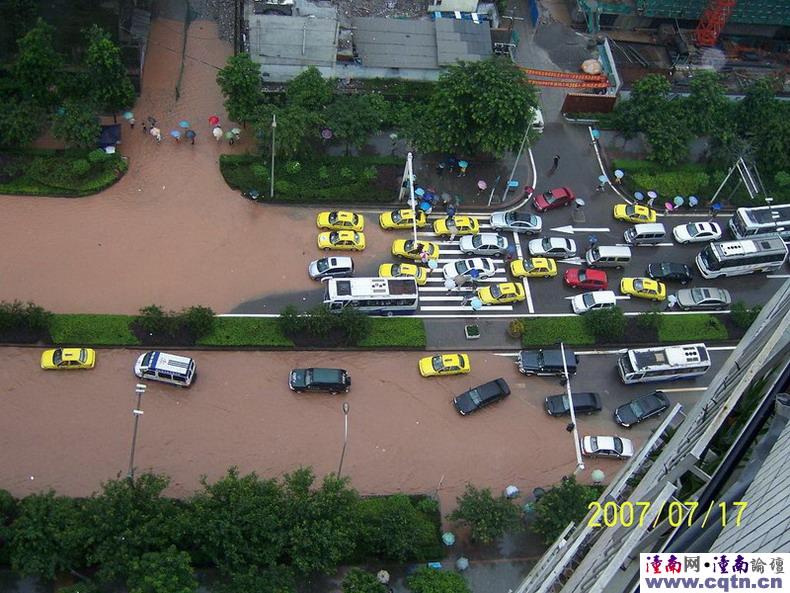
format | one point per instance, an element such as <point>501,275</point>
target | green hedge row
<point>113,330</point>
<point>543,331</point>
<point>323,179</point>
<point>691,328</point>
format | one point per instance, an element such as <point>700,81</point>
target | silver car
<point>463,267</point>
<point>703,299</point>
<point>517,222</point>
<point>331,267</point>
<point>558,247</point>
<point>483,244</point>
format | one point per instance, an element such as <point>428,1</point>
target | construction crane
<point>712,22</point>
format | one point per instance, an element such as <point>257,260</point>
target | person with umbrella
<point>236,134</point>
<point>156,133</point>
<point>230,137</point>
<point>176,134</point>
<point>191,135</point>
<point>213,121</point>
<point>217,133</point>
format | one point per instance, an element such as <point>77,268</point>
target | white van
<point>164,367</point>
<point>608,256</point>
<point>537,121</point>
<point>645,234</point>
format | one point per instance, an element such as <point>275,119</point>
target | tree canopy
<point>240,82</point>
<point>37,68</point>
<point>76,124</point>
<point>108,83</point>
<point>429,580</point>
<point>362,581</point>
<point>487,517</point>
<point>478,107</point>
<point>169,571</point>
<point>565,503</point>
<point>353,118</point>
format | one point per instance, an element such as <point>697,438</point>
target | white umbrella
<point>383,577</point>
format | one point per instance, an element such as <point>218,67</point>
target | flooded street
<point>171,231</point>
<point>72,430</point>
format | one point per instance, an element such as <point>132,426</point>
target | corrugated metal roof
<point>293,40</point>
<point>458,40</point>
<point>395,43</point>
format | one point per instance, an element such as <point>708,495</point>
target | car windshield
<point>397,217</point>
<point>57,356</point>
<point>639,285</point>
<point>410,245</point>
<point>356,237</point>
<point>396,270</point>
<point>546,243</point>
<point>436,363</point>
<point>582,276</point>
<point>693,229</point>
<point>334,237</point>
<point>83,355</point>
<point>322,265</point>
<point>496,292</point>
<point>549,197</point>
<point>588,299</point>
<point>333,217</point>
<point>474,395</point>
<point>461,267</point>
<point>698,294</point>
<point>618,445</point>
<point>665,268</point>
<point>477,240</point>
<point>630,210</point>
<point>636,408</point>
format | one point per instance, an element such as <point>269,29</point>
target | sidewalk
<point>448,334</point>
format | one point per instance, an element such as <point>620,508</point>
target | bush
<point>289,321</point>
<point>245,331</point>
<point>293,167</point>
<point>260,171</point>
<point>691,328</point>
<point>198,320</point>
<point>429,580</point>
<point>19,316</point>
<point>98,156</point>
<point>403,332</point>
<point>80,167</point>
<point>362,581</point>
<point>743,316</point>
<point>649,319</point>
<point>393,529</point>
<point>487,517</point>
<point>674,183</point>
<point>547,331</point>
<point>346,173</point>
<point>355,324</point>
<point>320,322</point>
<point>93,330</point>
<point>154,320</point>
<point>515,328</point>
<point>607,325</point>
<point>561,505</point>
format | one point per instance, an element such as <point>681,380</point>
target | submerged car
<point>481,396</point>
<point>703,299</point>
<point>314,379</point>
<point>517,222</point>
<point>68,358</point>
<point>547,362</point>
<point>440,365</point>
<point>607,446</point>
<point>641,408</point>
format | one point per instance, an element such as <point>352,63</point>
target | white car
<point>331,267</point>
<point>483,244</point>
<point>557,247</point>
<point>697,232</point>
<point>517,222</point>
<point>591,301</point>
<point>616,447</point>
<point>463,267</point>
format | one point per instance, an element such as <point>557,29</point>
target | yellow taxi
<point>644,288</point>
<point>68,358</point>
<point>419,273</point>
<point>402,219</point>
<point>464,225</point>
<point>635,213</point>
<point>534,267</point>
<point>501,294</point>
<point>340,220</point>
<point>444,364</point>
<point>411,250</point>
<point>342,240</point>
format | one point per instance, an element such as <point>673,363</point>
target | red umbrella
<point>213,120</point>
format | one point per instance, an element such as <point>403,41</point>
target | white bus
<point>735,258</point>
<point>763,220</point>
<point>665,363</point>
<point>375,296</point>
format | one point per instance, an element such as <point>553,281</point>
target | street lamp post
<point>274,130</point>
<point>139,390</point>
<point>346,407</point>
<point>572,427</point>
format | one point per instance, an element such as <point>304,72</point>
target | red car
<point>588,279</point>
<point>554,198</point>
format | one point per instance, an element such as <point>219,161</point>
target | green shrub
<point>80,167</point>
<point>17,316</point>
<point>782,179</point>
<point>548,331</point>
<point>282,186</point>
<point>393,529</point>
<point>515,328</point>
<point>289,322</point>
<point>293,167</point>
<point>260,171</point>
<point>362,581</point>
<point>486,516</point>
<point>198,320</point>
<point>245,331</point>
<point>369,173</point>
<point>320,321</point>
<point>743,316</point>
<point>691,328</point>
<point>346,173</point>
<point>98,156</point>
<point>323,173</point>
<point>154,320</point>
<point>649,319</point>
<point>402,332</point>
<point>429,580</point>
<point>93,330</point>
<point>607,325</point>
<point>356,325</point>
<point>673,183</point>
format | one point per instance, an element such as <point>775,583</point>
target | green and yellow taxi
<point>341,240</point>
<point>534,267</point>
<point>502,293</point>
<point>644,288</point>
<point>636,213</point>
<point>457,225</point>
<point>441,365</point>
<point>402,219</point>
<point>340,220</point>
<point>68,358</point>
<point>419,273</point>
<point>410,249</point>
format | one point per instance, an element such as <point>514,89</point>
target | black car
<point>583,403</point>
<point>670,272</point>
<point>331,380</point>
<point>641,408</point>
<point>547,362</point>
<point>482,395</point>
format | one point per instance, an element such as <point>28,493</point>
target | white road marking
<point>446,297</point>
<point>777,276</point>
<point>643,245</point>
<point>444,289</point>
<point>570,229</point>
<point>716,348</point>
<point>494,279</point>
<point>622,297</point>
<point>506,354</point>
<point>682,389</point>
<point>467,308</point>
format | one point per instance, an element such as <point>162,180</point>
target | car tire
<point>326,248</point>
<point>333,392</point>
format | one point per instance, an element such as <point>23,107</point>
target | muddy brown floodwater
<point>71,430</point>
<point>171,232</point>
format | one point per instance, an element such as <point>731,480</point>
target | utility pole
<point>139,390</point>
<point>274,129</point>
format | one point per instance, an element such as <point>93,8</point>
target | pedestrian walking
<point>424,257</point>
<point>217,132</point>
<point>452,227</point>
<point>593,241</point>
<point>145,128</point>
<point>714,212</point>
<point>440,168</point>
<point>156,133</point>
<point>601,186</point>
<point>672,300</point>
<point>131,122</point>
<point>451,162</point>
<point>528,191</point>
<point>555,165</point>
<point>191,134</point>
<point>510,254</point>
<point>450,211</point>
<point>462,165</point>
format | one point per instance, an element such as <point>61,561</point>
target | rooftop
<point>293,40</point>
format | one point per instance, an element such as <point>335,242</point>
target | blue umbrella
<point>474,273</point>
<point>476,304</point>
<point>603,178</point>
<point>448,538</point>
<point>596,134</point>
<point>175,134</point>
<point>716,206</point>
<point>652,195</point>
<point>184,124</point>
<point>191,134</point>
<point>512,184</point>
<point>679,201</point>
<point>128,115</point>
<point>693,201</point>
<point>463,164</point>
<point>419,191</point>
<point>638,195</point>
<point>425,206</point>
<point>618,173</point>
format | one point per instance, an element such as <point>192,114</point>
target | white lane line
<point>494,279</point>
<point>442,298</point>
<point>643,245</point>
<point>525,281</point>
<point>682,389</point>
<point>715,348</point>
<point>777,276</point>
<point>506,354</point>
<point>467,308</point>
<point>622,297</point>
<point>444,289</point>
